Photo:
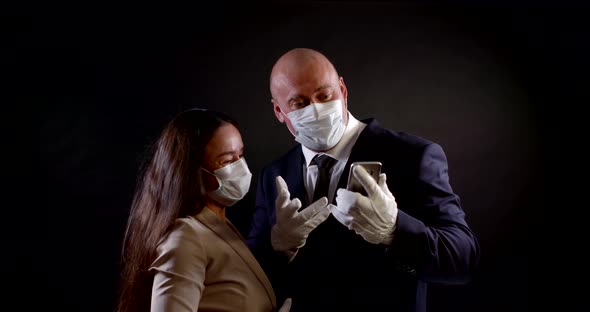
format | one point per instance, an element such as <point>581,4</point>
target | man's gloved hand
<point>373,216</point>
<point>292,227</point>
<point>286,307</point>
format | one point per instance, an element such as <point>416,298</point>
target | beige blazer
<point>204,265</point>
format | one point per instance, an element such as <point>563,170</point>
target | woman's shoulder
<point>185,231</point>
<point>185,242</point>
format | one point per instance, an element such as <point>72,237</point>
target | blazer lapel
<point>238,244</point>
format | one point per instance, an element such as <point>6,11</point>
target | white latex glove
<point>373,216</point>
<point>292,227</point>
<point>286,307</point>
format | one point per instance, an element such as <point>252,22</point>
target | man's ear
<point>344,91</point>
<point>278,112</point>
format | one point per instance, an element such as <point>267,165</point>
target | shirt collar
<point>342,149</point>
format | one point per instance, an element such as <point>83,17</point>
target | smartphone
<point>372,167</point>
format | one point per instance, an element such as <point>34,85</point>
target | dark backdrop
<point>495,84</point>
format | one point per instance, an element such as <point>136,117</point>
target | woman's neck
<point>218,210</point>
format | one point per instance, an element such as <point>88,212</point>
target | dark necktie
<point>324,163</point>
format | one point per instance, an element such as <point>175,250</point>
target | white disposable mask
<point>318,126</point>
<point>234,182</point>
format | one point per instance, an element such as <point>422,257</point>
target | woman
<point>180,252</point>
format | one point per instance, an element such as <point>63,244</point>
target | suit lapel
<point>294,176</point>
<point>363,150</point>
<point>237,243</point>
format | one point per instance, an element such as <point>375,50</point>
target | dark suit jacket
<point>337,270</point>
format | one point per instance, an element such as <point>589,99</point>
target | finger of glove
<point>368,218</point>
<point>349,202</point>
<point>346,199</point>
<point>286,307</point>
<point>360,207</point>
<point>293,206</point>
<point>283,194</point>
<point>366,180</point>
<point>320,217</point>
<point>383,184</point>
<point>341,216</point>
<point>287,213</point>
<point>313,209</point>
<point>382,179</point>
<point>375,208</point>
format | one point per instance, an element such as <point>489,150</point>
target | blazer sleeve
<point>434,241</point>
<point>179,272</point>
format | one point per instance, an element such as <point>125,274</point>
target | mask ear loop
<point>216,178</point>
<point>209,172</point>
<point>293,133</point>
<point>283,113</point>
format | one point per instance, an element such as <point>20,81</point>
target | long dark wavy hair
<point>169,187</point>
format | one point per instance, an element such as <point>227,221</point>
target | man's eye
<point>326,96</point>
<point>297,105</point>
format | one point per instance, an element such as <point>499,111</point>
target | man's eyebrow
<point>322,87</point>
<point>293,98</point>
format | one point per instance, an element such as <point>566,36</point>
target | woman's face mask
<point>234,182</point>
<point>318,126</point>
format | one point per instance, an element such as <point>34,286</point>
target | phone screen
<point>372,167</point>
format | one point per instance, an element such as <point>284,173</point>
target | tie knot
<point>323,161</point>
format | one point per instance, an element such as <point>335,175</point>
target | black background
<point>499,85</point>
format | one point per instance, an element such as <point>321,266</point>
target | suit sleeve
<point>179,272</point>
<point>434,241</point>
<point>258,238</point>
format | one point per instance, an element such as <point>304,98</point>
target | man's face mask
<point>234,182</point>
<point>318,126</point>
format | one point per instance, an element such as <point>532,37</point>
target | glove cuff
<point>291,253</point>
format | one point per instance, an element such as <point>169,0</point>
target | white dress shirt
<point>340,152</point>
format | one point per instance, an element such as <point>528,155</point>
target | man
<point>348,251</point>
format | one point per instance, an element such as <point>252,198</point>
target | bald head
<point>298,64</point>
<point>301,77</point>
